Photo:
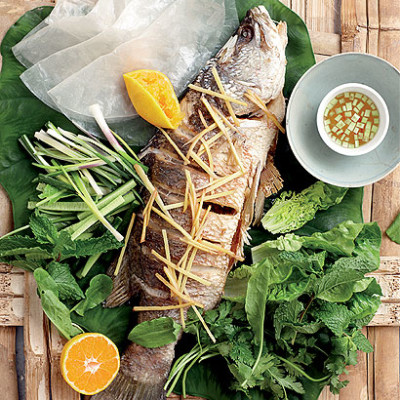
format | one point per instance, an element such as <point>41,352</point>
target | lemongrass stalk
<point>56,135</point>
<point>92,182</point>
<point>77,229</point>
<point>115,206</point>
<point>71,206</point>
<point>88,198</point>
<point>88,265</point>
<point>82,192</point>
<point>122,190</point>
<point>28,146</point>
<point>99,117</point>
<point>45,138</point>
<point>22,228</point>
<point>126,146</point>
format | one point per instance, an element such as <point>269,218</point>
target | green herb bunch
<point>290,323</point>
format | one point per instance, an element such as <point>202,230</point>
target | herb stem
<point>298,369</point>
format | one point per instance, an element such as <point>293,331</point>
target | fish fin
<point>142,374</point>
<point>124,388</point>
<point>271,182</point>
<point>122,288</point>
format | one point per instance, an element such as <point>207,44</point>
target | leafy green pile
<point>291,211</point>
<point>291,323</point>
<point>71,301</point>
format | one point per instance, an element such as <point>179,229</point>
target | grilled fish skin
<point>253,58</point>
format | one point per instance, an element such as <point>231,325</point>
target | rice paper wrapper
<point>176,37</point>
<point>68,27</point>
<point>178,43</point>
<point>63,9</point>
<point>49,72</point>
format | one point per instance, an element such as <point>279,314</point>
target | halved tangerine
<point>89,362</point>
<point>154,98</point>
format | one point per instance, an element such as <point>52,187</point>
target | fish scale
<point>253,58</point>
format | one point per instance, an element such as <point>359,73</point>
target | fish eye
<point>247,33</point>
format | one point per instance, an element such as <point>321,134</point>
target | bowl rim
<point>301,161</point>
<point>383,115</point>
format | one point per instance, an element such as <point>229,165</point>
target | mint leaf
<point>92,246</point>
<point>68,288</point>
<point>99,289</point>
<point>362,342</point>
<point>155,333</point>
<point>336,317</point>
<point>286,313</point>
<point>43,229</point>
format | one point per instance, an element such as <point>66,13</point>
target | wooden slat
<point>315,9</point>
<point>59,388</point>
<point>11,311</point>
<point>8,381</point>
<point>299,7</point>
<point>385,374</point>
<point>327,395</point>
<point>325,43</point>
<point>12,284</point>
<point>36,363</point>
<point>386,363</point>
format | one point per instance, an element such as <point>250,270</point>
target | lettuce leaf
<point>291,211</point>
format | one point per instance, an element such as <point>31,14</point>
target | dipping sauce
<point>351,119</point>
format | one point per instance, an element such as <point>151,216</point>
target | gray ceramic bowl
<point>308,147</point>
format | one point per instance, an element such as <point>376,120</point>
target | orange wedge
<point>89,362</point>
<point>154,98</point>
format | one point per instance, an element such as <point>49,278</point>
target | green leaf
<point>45,281</point>
<point>349,209</point>
<point>394,230</point>
<point>112,322</point>
<point>363,305</point>
<point>58,314</point>
<point>291,211</point>
<point>336,317</point>
<point>368,243</point>
<point>362,342</point>
<point>99,289</point>
<point>338,284</point>
<point>339,241</point>
<point>20,113</point>
<point>256,299</point>
<point>43,229</point>
<point>97,245</point>
<point>286,313</point>
<point>155,333</point>
<point>15,245</point>
<point>68,288</point>
<point>236,283</point>
<point>299,52</point>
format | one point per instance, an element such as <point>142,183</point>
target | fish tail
<point>142,375</point>
<point>122,290</point>
<point>125,388</point>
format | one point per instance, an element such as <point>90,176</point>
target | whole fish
<point>222,174</point>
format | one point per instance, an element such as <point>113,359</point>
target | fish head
<point>254,57</point>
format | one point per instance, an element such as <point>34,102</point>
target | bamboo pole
<point>35,344</point>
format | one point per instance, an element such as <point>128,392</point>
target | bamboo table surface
<point>371,26</point>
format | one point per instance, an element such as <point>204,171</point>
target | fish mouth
<point>262,24</point>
